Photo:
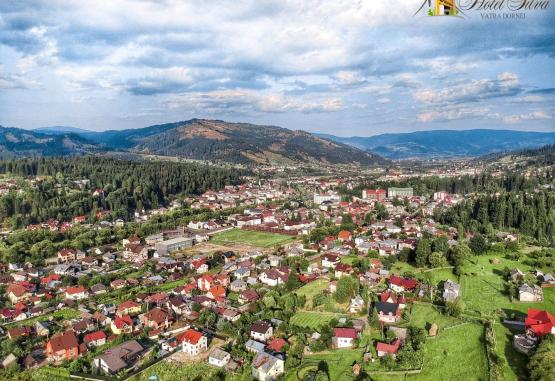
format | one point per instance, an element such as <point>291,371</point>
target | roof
<point>349,333</point>
<point>94,336</point>
<point>219,354</point>
<point>264,361</point>
<point>540,322</point>
<point>389,348</point>
<point>277,344</point>
<point>387,308</point>
<point>63,341</point>
<point>255,345</point>
<point>344,234</point>
<point>191,336</point>
<point>114,358</point>
<point>407,283</point>
<point>261,327</point>
<point>75,290</point>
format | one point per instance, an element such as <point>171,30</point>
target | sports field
<point>259,239</point>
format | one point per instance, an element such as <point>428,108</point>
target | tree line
<point>127,186</point>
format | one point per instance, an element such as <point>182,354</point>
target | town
<point>282,278</point>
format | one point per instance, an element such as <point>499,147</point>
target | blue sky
<point>342,67</point>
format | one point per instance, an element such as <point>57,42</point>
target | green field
<point>313,320</point>
<point>65,314</point>
<point>483,288</point>
<point>166,371</point>
<point>260,239</point>
<point>515,366</point>
<point>456,354</point>
<point>339,363</point>
<point>424,315</point>
<point>311,289</point>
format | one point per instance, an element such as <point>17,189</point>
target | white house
<point>344,337</point>
<point>219,358</point>
<point>261,331</point>
<point>266,367</point>
<point>330,260</point>
<point>194,342</point>
<point>528,293</point>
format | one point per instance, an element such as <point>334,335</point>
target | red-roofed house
<point>193,342</point>
<point>342,269</point>
<point>95,339</point>
<point>330,260</point>
<point>216,292</point>
<point>344,235</point>
<point>540,322</point>
<point>200,265</point>
<point>399,284</point>
<point>128,307</point>
<point>122,324</point>
<point>276,344</point>
<point>205,282</point>
<point>76,293</point>
<point>62,347</point>
<point>344,337</point>
<point>388,349</point>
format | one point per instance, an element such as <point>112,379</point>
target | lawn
<point>424,315</point>
<point>260,239</point>
<point>483,288</point>
<point>456,354</point>
<point>515,366</point>
<point>313,320</point>
<point>166,371</point>
<point>339,363</point>
<point>65,314</point>
<point>311,289</point>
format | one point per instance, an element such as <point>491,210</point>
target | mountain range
<point>446,143</point>
<point>200,139</point>
<point>219,141</point>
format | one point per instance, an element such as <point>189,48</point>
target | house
<point>200,265</point>
<point>342,269</point>
<point>374,194</point>
<point>261,331</point>
<point>276,345</point>
<point>76,293</point>
<point>388,312</point>
<point>451,290</point>
<point>266,367</point>
<point>216,293</point>
<point>344,337</point>
<point>17,293</point>
<point>528,293</point>
<point>238,285</point>
<point>539,322</point>
<point>385,349</point>
<point>332,286</point>
<point>128,307</point>
<point>274,276</point>
<point>95,339</point>
<point>218,357</point>
<point>248,296</point>
<point>344,235</point>
<point>18,332</point>
<point>254,346</point>
<point>156,318</point>
<point>98,289</point>
<point>516,274</point>
<point>63,346</point>
<point>118,358</point>
<point>193,342</point>
<point>67,255</point>
<point>122,324</point>
<point>399,284</point>
<point>356,305</point>
<point>330,260</point>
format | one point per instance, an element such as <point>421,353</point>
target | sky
<point>344,67</point>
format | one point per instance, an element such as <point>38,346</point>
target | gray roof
<point>255,345</point>
<point>116,357</point>
<point>218,354</point>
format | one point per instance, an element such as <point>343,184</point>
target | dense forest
<point>127,186</point>
<point>531,213</point>
<point>484,182</point>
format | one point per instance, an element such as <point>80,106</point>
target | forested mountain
<point>232,142</point>
<point>15,142</point>
<point>447,143</point>
<point>128,186</point>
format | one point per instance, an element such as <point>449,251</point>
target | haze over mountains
<point>244,143</point>
<point>446,143</point>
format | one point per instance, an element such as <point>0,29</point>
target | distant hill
<point>16,142</point>
<point>60,130</point>
<point>447,143</point>
<point>232,142</point>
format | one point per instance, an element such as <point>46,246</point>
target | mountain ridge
<point>447,143</point>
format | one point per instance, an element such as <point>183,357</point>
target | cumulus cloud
<point>273,57</point>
